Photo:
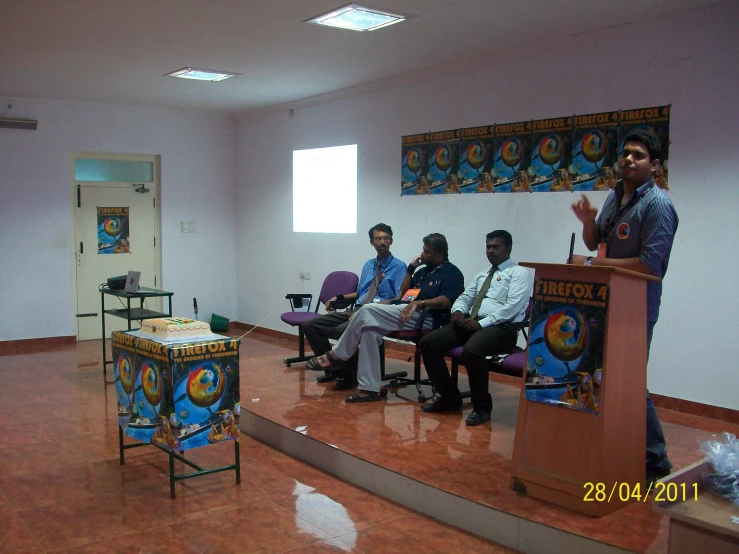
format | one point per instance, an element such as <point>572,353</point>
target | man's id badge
<point>410,295</point>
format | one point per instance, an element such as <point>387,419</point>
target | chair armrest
<point>296,300</point>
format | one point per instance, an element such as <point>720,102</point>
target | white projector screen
<point>325,190</point>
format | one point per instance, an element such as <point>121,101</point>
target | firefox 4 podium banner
<point>179,396</point>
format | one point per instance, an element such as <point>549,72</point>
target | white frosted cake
<point>168,328</point>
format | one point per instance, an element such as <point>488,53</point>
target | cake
<point>167,328</point>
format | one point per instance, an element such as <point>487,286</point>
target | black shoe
<point>654,475</point>
<point>441,405</point>
<point>328,377</point>
<point>477,418</point>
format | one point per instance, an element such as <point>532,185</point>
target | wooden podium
<point>562,454</point>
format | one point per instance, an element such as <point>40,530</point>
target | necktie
<point>372,292</point>
<point>482,293</point>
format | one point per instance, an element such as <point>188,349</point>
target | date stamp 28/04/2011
<point>626,492</point>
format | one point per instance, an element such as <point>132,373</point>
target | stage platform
<point>433,463</point>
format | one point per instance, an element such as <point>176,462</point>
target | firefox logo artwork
<point>124,371</point>
<point>205,384</point>
<point>414,160</point>
<point>112,226</point>
<point>551,149</point>
<point>566,334</point>
<point>475,154</point>
<point>151,383</point>
<point>594,145</point>
<point>443,157</point>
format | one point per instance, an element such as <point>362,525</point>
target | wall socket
<point>187,227</point>
<point>304,274</point>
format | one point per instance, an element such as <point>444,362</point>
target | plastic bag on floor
<point>723,453</point>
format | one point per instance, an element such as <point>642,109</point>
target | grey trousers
<point>367,327</point>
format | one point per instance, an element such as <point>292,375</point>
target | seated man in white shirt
<point>496,296</point>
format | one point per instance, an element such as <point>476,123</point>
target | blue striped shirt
<point>646,231</point>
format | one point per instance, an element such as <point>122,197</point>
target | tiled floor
<point>438,449</point>
<point>63,490</point>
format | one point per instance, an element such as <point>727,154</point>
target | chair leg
<point>301,350</point>
<point>385,376</point>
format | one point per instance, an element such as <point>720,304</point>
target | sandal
<point>368,396</point>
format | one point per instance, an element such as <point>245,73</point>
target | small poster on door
<point>113,231</point>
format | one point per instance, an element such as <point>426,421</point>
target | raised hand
<point>583,210</point>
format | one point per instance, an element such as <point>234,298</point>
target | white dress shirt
<point>507,298</point>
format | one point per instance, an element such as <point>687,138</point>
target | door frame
<point>156,160</point>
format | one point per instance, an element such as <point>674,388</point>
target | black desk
<point>131,314</point>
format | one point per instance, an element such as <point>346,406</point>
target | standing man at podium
<point>635,230</point>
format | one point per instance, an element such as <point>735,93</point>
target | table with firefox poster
<point>177,397</point>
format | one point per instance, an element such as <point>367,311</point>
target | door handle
<point>82,248</point>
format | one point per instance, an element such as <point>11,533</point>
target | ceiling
<point>116,51</point>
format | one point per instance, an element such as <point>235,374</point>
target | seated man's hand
<point>405,315</point>
<point>329,304</point>
<point>456,318</point>
<point>470,325</point>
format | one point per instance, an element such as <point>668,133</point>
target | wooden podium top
<point>593,268</point>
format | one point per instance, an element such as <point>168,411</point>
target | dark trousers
<point>657,460</point>
<point>489,341</point>
<point>330,326</point>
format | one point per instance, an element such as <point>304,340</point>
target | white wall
<point>36,226</point>
<point>688,61</point>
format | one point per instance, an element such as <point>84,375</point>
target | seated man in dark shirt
<point>439,283</point>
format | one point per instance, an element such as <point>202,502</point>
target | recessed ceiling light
<point>201,74</point>
<point>357,18</point>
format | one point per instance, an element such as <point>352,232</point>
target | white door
<point>115,233</point>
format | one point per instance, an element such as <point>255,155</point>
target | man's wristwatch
<point>588,260</point>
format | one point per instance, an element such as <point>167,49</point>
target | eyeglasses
<point>382,239</point>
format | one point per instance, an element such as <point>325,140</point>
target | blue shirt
<point>392,275</point>
<point>443,280</point>
<point>646,231</point>
<point>507,298</point>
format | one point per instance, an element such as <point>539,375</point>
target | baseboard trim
<point>398,350</point>
<point>27,346</point>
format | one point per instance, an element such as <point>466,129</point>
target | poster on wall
<point>564,365</point>
<point>656,121</point>
<point>551,149</point>
<point>476,162</point>
<point>512,156</point>
<point>414,165</point>
<point>569,153</point>
<point>595,151</point>
<point>113,231</point>
<point>443,156</point>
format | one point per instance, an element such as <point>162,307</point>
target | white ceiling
<point>116,51</point>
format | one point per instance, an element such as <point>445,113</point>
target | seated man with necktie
<point>438,283</point>
<point>496,296</point>
<point>380,281</point>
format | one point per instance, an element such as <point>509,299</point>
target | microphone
<point>572,248</point>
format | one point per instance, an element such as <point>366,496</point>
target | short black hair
<point>649,140</point>
<point>437,242</point>
<point>505,235</point>
<point>382,228</point>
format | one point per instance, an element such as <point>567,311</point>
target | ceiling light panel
<point>201,74</point>
<point>357,18</point>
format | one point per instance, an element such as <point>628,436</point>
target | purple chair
<point>337,282</point>
<point>511,363</point>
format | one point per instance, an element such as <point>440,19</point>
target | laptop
<point>132,281</point>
